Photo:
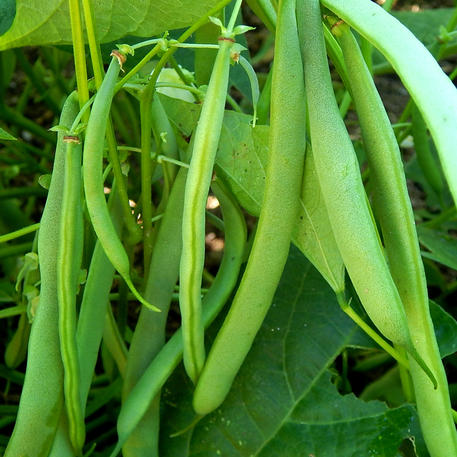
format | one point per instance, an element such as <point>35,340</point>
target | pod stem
<point>346,307</point>
<point>412,351</point>
<point>138,296</point>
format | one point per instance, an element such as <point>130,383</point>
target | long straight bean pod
<point>148,386</point>
<point>193,233</point>
<point>91,322</point>
<point>93,177</point>
<point>279,210</point>
<point>393,209</point>
<point>42,394</point>
<point>68,265</point>
<point>344,195</point>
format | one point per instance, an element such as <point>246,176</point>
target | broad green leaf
<point>183,115</point>
<point>283,403</point>
<point>445,329</point>
<point>48,22</point>
<point>7,13</point>
<point>241,159</point>
<point>414,173</point>
<point>442,246</point>
<point>425,24</point>
<point>4,135</point>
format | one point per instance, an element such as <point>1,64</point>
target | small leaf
<point>59,128</point>
<point>216,21</point>
<point>240,29</point>
<point>169,75</point>
<point>126,49</point>
<point>238,48</point>
<point>80,128</point>
<point>4,135</point>
<point>445,329</point>
<point>45,181</point>
<point>442,246</point>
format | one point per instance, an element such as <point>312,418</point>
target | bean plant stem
<point>79,54</point>
<point>345,306</point>
<point>146,174</point>
<point>18,233</point>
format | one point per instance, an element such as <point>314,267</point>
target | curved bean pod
<point>93,179</point>
<point>162,366</point>
<point>394,211</point>
<point>277,217</point>
<point>344,195</point>
<point>41,402</point>
<point>193,232</point>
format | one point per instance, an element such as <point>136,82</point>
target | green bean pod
<point>394,211</point>
<point>93,179</point>
<point>193,232</point>
<point>41,402</point>
<point>91,323</point>
<point>418,70</point>
<point>344,195</point>
<point>277,219</point>
<point>149,335</point>
<point>68,265</point>
<point>162,366</point>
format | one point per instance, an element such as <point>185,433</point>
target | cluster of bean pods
<point>388,276</point>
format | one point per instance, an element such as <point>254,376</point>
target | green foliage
<point>43,23</point>
<point>4,135</point>
<point>321,377</point>
<point>7,14</point>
